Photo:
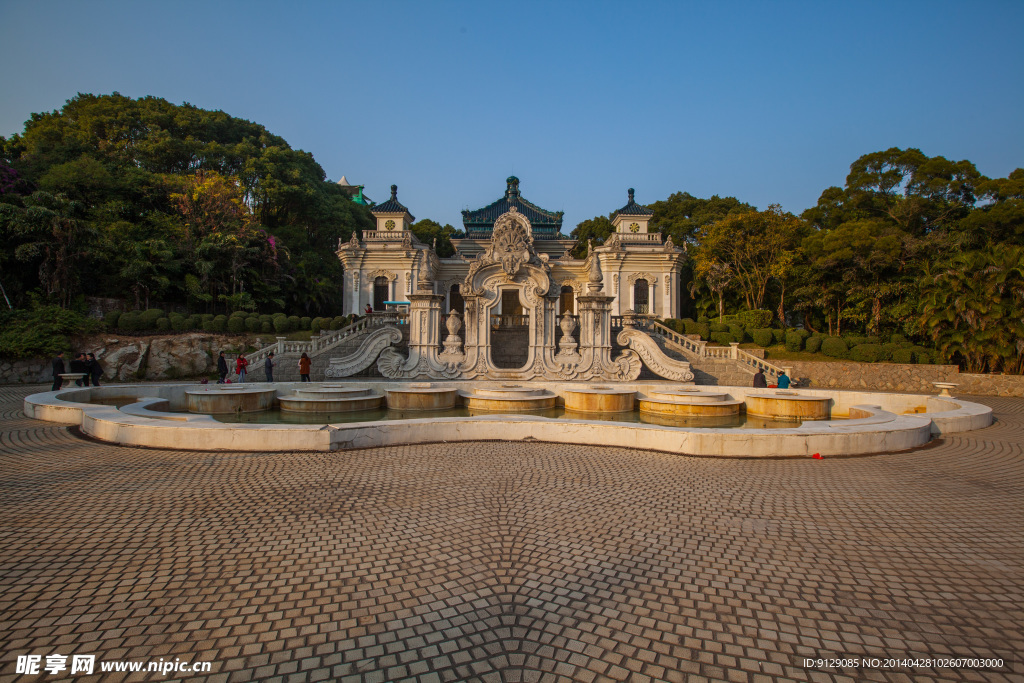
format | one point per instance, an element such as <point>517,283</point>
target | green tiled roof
<point>480,223</point>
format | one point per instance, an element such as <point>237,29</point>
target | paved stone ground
<point>512,562</point>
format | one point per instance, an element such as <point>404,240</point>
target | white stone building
<point>640,267</point>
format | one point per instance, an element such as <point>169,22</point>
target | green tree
<point>427,231</point>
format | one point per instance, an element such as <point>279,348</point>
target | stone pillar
<point>595,322</point>
<point>355,292</point>
<point>734,351</point>
<point>424,322</point>
<point>650,297</point>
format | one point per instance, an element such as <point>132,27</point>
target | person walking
<point>78,366</point>
<point>759,380</point>
<point>783,380</point>
<point>240,367</point>
<point>268,366</point>
<point>304,365</point>
<point>222,368</point>
<point>95,369</point>
<point>58,369</point>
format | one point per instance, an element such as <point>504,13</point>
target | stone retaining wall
<point>915,379</point>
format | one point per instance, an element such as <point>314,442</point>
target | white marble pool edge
<point>885,429</point>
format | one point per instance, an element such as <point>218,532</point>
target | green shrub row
<point>155,320</point>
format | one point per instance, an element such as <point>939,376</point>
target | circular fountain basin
<point>422,397</point>
<point>331,400</point>
<point>599,399</point>
<point>683,396</point>
<point>234,399</point>
<point>710,408</point>
<point>508,398</point>
<point>331,392</point>
<point>789,405</point>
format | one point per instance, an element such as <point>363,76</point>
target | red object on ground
<point>817,456</point>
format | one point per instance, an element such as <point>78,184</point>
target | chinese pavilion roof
<point>632,208</point>
<point>480,223</point>
<point>392,205</point>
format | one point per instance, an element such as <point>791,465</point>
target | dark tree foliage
<point>113,196</point>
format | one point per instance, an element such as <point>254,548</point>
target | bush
<point>305,323</point>
<point>163,324</point>
<point>207,326</point>
<point>721,338</point>
<point>835,347</point>
<point>236,324</point>
<point>179,323</point>
<point>689,326</point>
<point>338,322</point>
<point>265,318</point>
<point>903,356</point>
<point>925,356</point>
<point>867,353</point>
<point>149,317</point>
<point>704,330</point>
<point>779,335</point>
<point>703,320</point>
<point>219,324</point>
<point>813,344</point>
<point>737,332</point>
<point>129,322</point>
<point>794,341</point>
<point>110,319</point>
<point>41,332</point>
<point>281,323</point>
<point>855,340</point>
<point>718,327</point>
<point>897,338</point>
<point>762,337</point>
<point>195,322</point>
<point>252,324</point>
<point>756,319</point>
<point>239,314</point>
<point>266,327</point>
<point>207,317</point>
<point>294,323</point>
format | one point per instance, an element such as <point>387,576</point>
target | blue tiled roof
<point>632,208</point>
<point>480,223</point>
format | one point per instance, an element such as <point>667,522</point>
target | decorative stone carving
<point>375,342</point>
<point>453,343</point>
<point>653,356</point>
<point>567,344</point>
<point>380,272</point>
<point>633,277</point>
<point>595,278</point>
<point>615,284</point>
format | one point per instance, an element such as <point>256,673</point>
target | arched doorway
<point>510,332</point>
<point>641,302</point>
<point>455,300</point>
<point>381,292</point>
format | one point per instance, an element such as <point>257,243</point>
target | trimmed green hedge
<point>756,319</point>
<point>794,341</point>
<point>834,347</point>
<point>867,353</point>
<point>813,343</point>
<point>762,337</point>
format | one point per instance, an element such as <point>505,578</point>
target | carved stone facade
<point>510,281</point>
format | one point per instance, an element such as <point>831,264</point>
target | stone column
<point>424,323</point>
<point>650,297</point>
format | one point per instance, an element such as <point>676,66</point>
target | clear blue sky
<point>769,102</point>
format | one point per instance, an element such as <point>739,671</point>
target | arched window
<point>381,290</point>
<point>455,300</point>
<point>641,303</point>
<point>566,301</point>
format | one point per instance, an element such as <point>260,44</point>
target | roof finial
<point>394,192</point>
<point>631,195</point>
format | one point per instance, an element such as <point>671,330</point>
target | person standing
<point>268,366</point>
<point>304,365</point>
<point>95,369</point>
<point>759,380</point>
<point>369,309</point>
<point>783,380</point>
<point>58,370</point>
<point>222,368</point>
<point>240,367</point>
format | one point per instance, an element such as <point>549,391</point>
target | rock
<point>183,356</point>
<point>123,364</point>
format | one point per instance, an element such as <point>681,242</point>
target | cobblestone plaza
<point>499,561</point>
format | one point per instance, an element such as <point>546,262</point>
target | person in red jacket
<point>240,366</point>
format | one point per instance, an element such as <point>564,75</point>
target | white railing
<point>640,237</point>
<point>385,235</point>
<point>695,346</point>
<point>327,339</point>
